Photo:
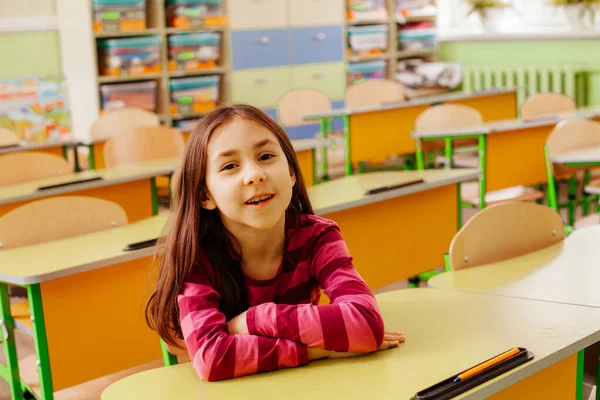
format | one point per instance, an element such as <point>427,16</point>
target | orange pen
<point>478,368</point>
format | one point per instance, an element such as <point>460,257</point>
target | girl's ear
<point>293,176</point>
<point>208,203</point>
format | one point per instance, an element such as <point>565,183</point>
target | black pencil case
<point>448,389</point>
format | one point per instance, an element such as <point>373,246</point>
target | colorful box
<point>195,13</point>
<point>370,39</point>
<point>358,72</point>
<point>129,56</point>
<point>194,95</point>
<point>129,95</point>
<point>193,51</point>
<point>119,15</point>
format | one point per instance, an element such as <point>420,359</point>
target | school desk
<point>446,332</point>
<point>511,152</point>
<point>373,134</point>
<point>86,299</point>
<point>399,233</point>
<point>564,273</point>
<point>132,187</point>
<point>305,151</point>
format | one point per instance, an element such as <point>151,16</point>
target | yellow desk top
<point>59,258</point>
<point>453,96</point>
<point>568,272</point>
<point>446,332</point>
<point>38,146</point>
<point>590,155</point>
<point>349,191</point>
<point>110,176</point>
<point>511,124</point>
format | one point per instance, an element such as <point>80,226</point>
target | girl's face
<point>248,178</point>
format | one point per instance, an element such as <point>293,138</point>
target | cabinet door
<point>317,45</point>
<point>259,49</point>
<point>329,77</point>
<point>316,12</point>
<point>257,14</point>
<point>260,87</point>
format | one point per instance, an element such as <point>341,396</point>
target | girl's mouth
<point>260,200</point>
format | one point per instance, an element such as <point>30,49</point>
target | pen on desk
<point>478,368</point>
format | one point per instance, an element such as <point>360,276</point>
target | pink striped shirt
<point>284,317</point>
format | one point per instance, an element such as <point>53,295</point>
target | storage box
<point>129,95</point>
<point>194,51</point>
<point>195,13</point>
<point>371,39</point>
<point>194,95</point>
<point>119,15</point>
<point>358,72</point>
<point>366,10</point>
<point>417,37</point>
<point>129,56</point>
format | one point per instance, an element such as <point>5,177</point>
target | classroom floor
<point>26,346</point>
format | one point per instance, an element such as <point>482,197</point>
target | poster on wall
<point>36,108</point>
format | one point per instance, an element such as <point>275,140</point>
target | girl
<point>244,259</point>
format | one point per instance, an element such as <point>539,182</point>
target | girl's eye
<point>266,157</point>
<point>228,167</point>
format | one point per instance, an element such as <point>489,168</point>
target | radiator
<point>529,80</point>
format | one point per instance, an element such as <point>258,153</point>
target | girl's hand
<point>390,340</point>
<point>237,325</point>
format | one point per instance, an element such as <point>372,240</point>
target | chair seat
<point>589,220</point>
<point>84,391</point>
<point>461,160</point>
<point>470,193</point>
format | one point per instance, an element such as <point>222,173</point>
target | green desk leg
<point>579,380</point>
<point>586,197</point>
<point>40,341</point>
<point>447,266</point>
<point>481,147</point>
<point>420,156</point>
<point>91,157</point>
<point>459,206</point>
<point>10,372</point>
<point>349,170</point>
<point>154,190</point>
<point>324,132</point>
<point>448,151</point>
<point>168,358</point>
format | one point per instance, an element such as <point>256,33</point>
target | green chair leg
<point>40,341</point>
<point>447,266</point>
<point>586,198</point>
<point>7,325</point>
<point>580,364</point>
<point>572,199</point>
<point>168,358</point>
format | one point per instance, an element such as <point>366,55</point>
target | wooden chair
<point>503,231</point>
<point>29,166</point>
<point>296,102</point>
<point>145,143</point>
<point>449,116</point>
<point>570,135</point>
<point>116,122</point>
<point>547,104</point>
<point>454,116</point>
<point>8,138</point>
<point>373,92</point>
<point>58,218</point>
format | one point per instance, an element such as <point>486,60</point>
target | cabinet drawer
<point>315,45</point>
<point>261,88</point>
<point>257,14</point>
<point>330,78</point>
<point>316,12</point>
<point>258,49</point>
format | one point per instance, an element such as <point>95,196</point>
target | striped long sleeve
<point>217,355</point>
<point>351,322</point>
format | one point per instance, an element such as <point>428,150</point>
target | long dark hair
<point>192,229</point>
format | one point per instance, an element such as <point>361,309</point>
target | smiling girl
<point>244,260</point>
